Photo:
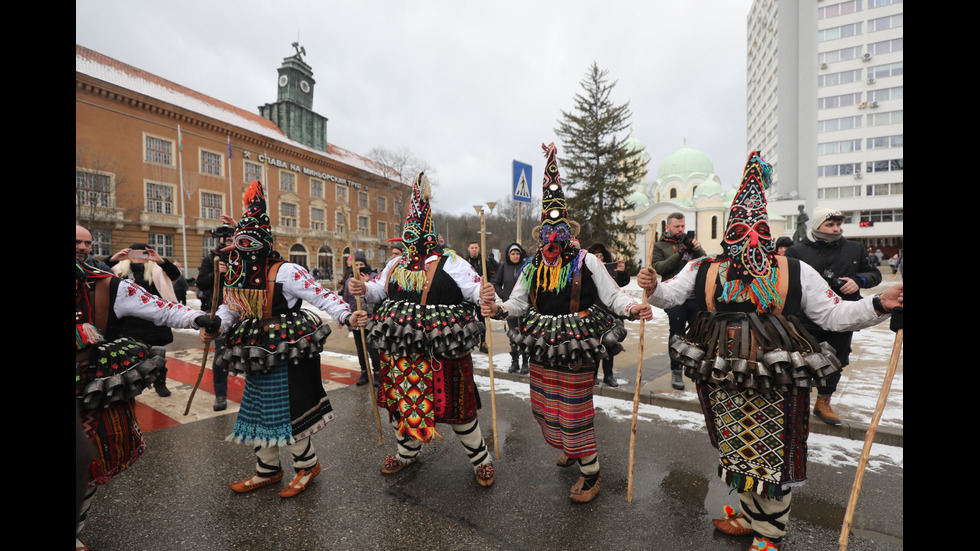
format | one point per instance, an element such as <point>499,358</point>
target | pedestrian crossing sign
<point>522,182</point>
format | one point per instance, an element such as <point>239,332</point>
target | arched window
<point>324,259</point>
<point>714,227</point>
<point>673,193</point>
<point>297,255</point>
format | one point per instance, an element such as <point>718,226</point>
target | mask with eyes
<point>419,238</point>
<point>245,280</point>
<point>557,256</point>
<point>748,241</point>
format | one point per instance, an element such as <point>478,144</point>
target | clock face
<point>283,80</point>
<point>305,86</point>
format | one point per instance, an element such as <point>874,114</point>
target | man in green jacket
<point>670,255</point>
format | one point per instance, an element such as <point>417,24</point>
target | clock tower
<point>293,110</point>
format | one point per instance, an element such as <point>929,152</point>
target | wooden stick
<point>636,393</point>
<point>869,439</point>
<point>207,346</point>
<point>493,394</point>
<point>364,346</point>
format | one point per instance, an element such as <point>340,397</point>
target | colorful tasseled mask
<point>748,243</point>
<point>245,280</point>
<point>418,238</point>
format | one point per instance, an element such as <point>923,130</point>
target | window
<point>887,165</point>
<point>159,198</point>
<point>362,225</point>
<point>838,170</point>
<point>92,189</point>
<point>844,31</point>
<point>843,100</point>
<point>839,192</point>
<point>887,70</point>
<point>845,146</point>
<point>162,243</point>
<point>211,163</point>
<point>885,23</point>
<point>338,223</point>
<point>880,3</point>
<point>289,215</point>
<point>884,215</point>
<point>884,142</point>
<point>382,230</point>
<point>843,8</point>
<point>318,219</point>
<point>158,150</point>
<point>886,46</point>
<point>316,188</point>
<point>287,181</point>
<point>341,194</point>
<point>843,54</point>
<point>889,117</point>
<point>843,123</point>
<point>252,172</point>
<point>886,94</point>
<point>382,203</point>
<point>210,205</point>
<point>834,79</point>
<point>101,243</point>
<point>398,208</point>
<point>362,199</point>
<point>896,188</point>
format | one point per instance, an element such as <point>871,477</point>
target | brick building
<point>156,162</point>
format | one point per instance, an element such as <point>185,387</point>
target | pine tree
<point>598,172</point>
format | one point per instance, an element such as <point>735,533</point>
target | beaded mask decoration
<point>418,238</point>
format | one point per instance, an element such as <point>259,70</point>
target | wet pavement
<point>176,496</point>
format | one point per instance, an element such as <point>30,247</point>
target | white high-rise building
<point>825,107</point>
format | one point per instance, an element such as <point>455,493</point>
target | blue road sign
<point>522,182</point>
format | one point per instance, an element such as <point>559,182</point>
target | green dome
<point>708,187</point>
<point>684,163</point>
<point>639,200</point>
<point>632,144</point>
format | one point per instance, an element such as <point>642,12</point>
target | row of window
<point>871,167</point>
<point>160,151</point>
<point>851,191</point>
<point>855,75</point>
<point>847,146</point>
<point>95,190</point>
<point>856,52</point>
<point>164,245</point>
<point>854,29</point>
<point>847,100</point>
<point>851,6</point>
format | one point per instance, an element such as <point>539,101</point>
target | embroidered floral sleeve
<point>133,300</point>
<point>298,284</point>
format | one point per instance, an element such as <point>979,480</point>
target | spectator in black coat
<point>503,283</point>
<point>845,266</point>
<point>617,270</point>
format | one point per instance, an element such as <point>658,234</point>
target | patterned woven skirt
<point>284,405</point>
<point>116,437</point>
<point>561,400</point>
<point>419,392</point>
<point>761,440</point>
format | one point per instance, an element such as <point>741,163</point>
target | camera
<point>223,231</point>
<point>834,282</point>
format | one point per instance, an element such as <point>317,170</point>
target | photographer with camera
<point>846,268</point>
<point>674,250</point>
<point>205,286</point>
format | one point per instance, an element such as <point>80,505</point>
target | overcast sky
<point>467,85</point>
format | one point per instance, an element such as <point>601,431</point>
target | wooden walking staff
<point>636,392</point>
<point>207,346</point>
<point>483,262</point>
<point>364,346</point>
<point>869,439</point>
